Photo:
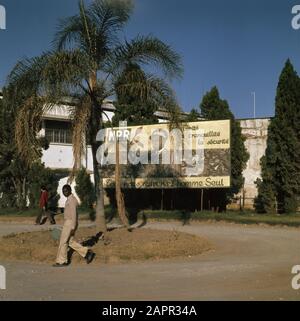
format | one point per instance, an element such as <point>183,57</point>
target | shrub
<point>85,189</point>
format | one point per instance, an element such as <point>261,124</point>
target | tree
<point>13,171</point>
<point>38,176</point>
<point>214,108</point>
<point>85,189</point>
<point>265,202</point>
<point>86,63</point>
<point>130,106</point>
<point>20,182</point>
<point>193,116</point>
<point>7,195</point>
<point>136,110</point>
<point>279,187</point>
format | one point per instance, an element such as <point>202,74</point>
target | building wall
<point>61,157</point>
<point>256,133</point>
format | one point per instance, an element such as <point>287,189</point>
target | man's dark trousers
<point>46,213</point>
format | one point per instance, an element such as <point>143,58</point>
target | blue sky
<point>240,46</point>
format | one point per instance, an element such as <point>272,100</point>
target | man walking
<point>44,207</point>
<point>67,236</point>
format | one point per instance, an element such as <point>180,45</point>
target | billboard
<point>196,155</point>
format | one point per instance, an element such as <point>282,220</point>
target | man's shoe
<point>57,265</point>
<point>90,256</point>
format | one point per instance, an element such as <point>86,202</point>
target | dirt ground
<point>248,263</point>
<point>123,246</point>
<point>14,219</point>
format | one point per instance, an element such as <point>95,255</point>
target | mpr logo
<point>2,278</point>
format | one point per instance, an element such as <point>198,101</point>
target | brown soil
<point>137,246</point>
<point>10,219</point>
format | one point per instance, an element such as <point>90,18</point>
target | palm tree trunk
<point>24,193</point>
<point>96,124</point>
<point>119,194</point>
<point>99,189</point>
<point>21,193</point>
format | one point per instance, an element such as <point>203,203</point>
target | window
<point>58,132</point>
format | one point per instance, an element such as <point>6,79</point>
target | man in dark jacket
<point>43,211</point>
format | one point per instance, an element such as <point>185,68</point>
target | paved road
<point>248,263</point>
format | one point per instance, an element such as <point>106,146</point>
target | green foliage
<point>41,176</point>
<point>85,189</point>
<point>265,201</point>
<point>193,116</point>
<point>214,108</point>
<point>135,114</point>
<point>280,185</point>
<point>137,107</point>
<point>12,169</point>
<point>6,153</point>
<point>19,181</point>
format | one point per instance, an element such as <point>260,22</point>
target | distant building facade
<point>256,133</point>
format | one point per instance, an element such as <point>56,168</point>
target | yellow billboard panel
<point>196,155</point>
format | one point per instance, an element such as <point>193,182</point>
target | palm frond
<point>68,31</point>
<point>27,127</point>
<point>95,28</point>
<point>146,51</point>
<point>110,16</point>
<point>52,74</point>
<point>40,83</point>
<point>80,119</point>
<point>66,70</point>
<point>27,75</point>
<point>75,32</point>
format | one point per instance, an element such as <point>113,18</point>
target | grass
<point>31,213</point>
<point>17,212</point>
<point>248,217</point>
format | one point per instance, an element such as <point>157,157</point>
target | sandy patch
<point>137,246</point>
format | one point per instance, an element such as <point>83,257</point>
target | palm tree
<point>86,63</point>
